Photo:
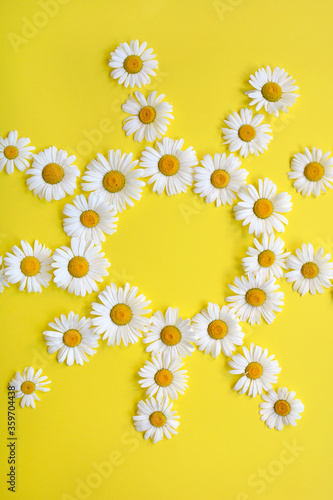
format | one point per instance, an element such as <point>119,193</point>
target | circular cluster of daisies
<point>122,314</point>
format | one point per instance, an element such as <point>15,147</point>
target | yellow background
<point>179,250</point>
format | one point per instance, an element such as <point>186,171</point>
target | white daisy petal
<point>52,174</point>
<point>15,152</point>
<point>258,372</point>
<point>309,272</point>
<point>79,268</point>
<point>280,408</point>
<point>156,419</point>
<point>273,90</point>
<point>122,315</point>
<point>27,385</point>
<point>133,64</point>
<point>169,166</point>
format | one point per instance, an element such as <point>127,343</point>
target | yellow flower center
<point>157,419</point>
<point>133,64</point>
<point>314,171</point>
<point>168,165</point>
<point>219,178</point>
<point>11,152</point>
<point>72,338</point>
<point>271,91</point>
<point>163,377</point>
<point>121,314</point>
<point>170,335</point>
<point>89,218</point>
<point>114,181</point>
<point>30,266</point>
<point>263,208</point>
<point>78,267</point>
<point>309,270</point>
<point>266,258</point>
<point>247,133</point>
<point>147,114</point>
<point>253,370</point>
<point>28,387</point>
<point>53,173</point>
<point>255,297</point>
<point>217,329</point>
<point>282,407</point>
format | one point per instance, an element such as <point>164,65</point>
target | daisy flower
<point>219,179</point>
<point>266,259</point>
<point>262,208</point>
<point>52,174</point>
<point>115,180</point>
<point>72,337</point>
<point>170,334</point>
<point>259,371</point>
<point>310,272</point>
<point>15,152</point>
<point>245,133</point>
<point>217,329</point>
<point>156,419</point>
<point>79,268</point>
<point>163,377</point>
<point>121,316</point>
<point>27,384</point>
<point>89,218</point>
<point>273,90</point>
<point>29,266</point>
<point>255,298</point>
<point>169,166</point>
<point>3,281</point>
<point>280,408</point>
<point>312,172</point>
<point>133,64</point>
<point>149,118</point>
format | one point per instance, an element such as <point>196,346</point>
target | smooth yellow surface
<point>179,250</point>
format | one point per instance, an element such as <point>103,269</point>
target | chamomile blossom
<point>254,298</point>
<point>133,64</point>
<point>79,268</point>
<point>217,329</point>
<point>53,174</point>
<point>149,118</point>
<point>266,259</point>
<point>26,385</point>
<point>312,172</point>
<point>272,89</point>
<point>3,280</point>
<point>169,166</point>
<point>170,334</point>
<point>15,152</point>
<point>245,133</point>
<point>163,377</point>
<point>72,337</point>
<point>262,209</point>
<point>121,317</point>
<point>114,179</point>
<point>280,408</point>
<point>29,266</point>
<point>258,370</point>
<point>310,271</point>
<point>219,179</point>
<point>89,218</point>
<point>156,419</point>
